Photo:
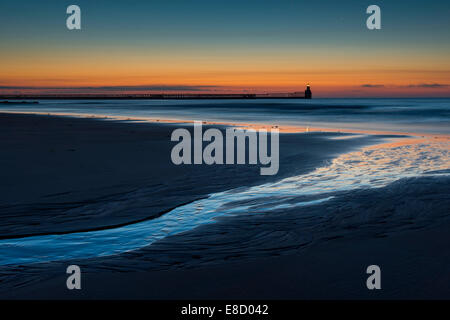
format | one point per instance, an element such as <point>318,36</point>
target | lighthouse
<point>308,94</point>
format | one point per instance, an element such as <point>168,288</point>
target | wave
<point>403,115</point>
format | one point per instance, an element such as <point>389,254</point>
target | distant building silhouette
<point>308,94</point>
<point>175,96</point>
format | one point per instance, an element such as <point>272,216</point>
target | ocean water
<point>402,115</point>
<point>371,168</point>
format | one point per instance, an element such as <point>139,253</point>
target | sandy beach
<point>82,160</point>
<point>63,175</point>
<point>224,159</point>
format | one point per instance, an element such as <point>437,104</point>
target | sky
<point>213,46</point>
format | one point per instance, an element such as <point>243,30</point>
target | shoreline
<point>242,125</point>
<point>167,263</point>
<point>73,165</point>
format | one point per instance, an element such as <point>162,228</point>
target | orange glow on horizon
<point>343,74</point>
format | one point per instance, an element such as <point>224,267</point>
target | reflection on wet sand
<point>371,167</point>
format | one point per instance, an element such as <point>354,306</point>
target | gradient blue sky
<point>231,45</point>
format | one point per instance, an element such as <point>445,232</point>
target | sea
<point>424,115</point>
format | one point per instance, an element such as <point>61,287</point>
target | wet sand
<point>50,166</point>
<point>414,265</point>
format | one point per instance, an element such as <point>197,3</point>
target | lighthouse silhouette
<point>308,93</point>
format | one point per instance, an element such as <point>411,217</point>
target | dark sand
<point>50,165</point>
<point>53,165</point>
